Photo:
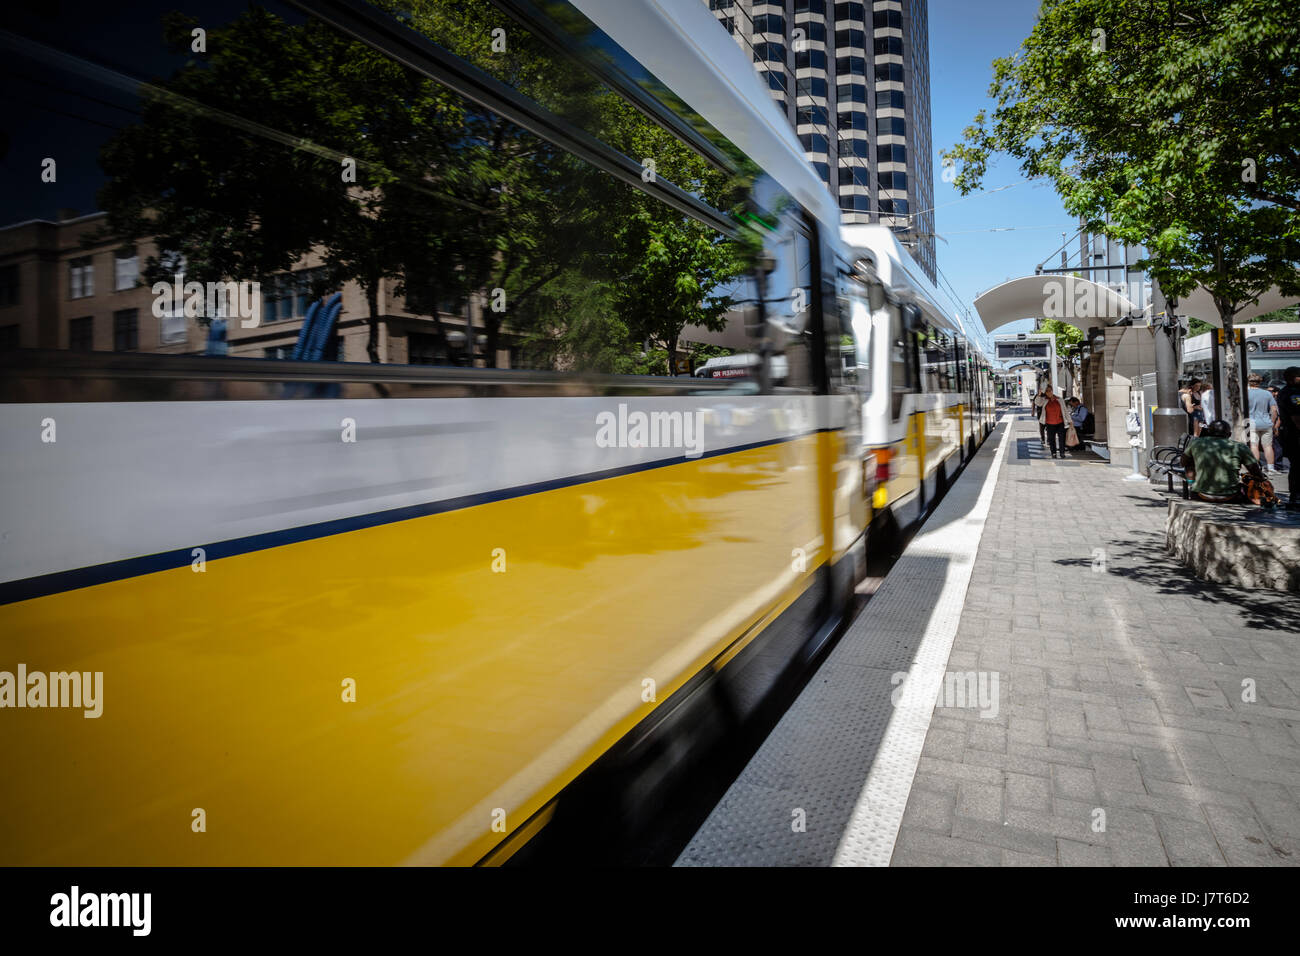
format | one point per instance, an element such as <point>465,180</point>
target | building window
<point>892,180</point>
<point>824,171</point>
<point>810,58</point>
<point>776,81</point>
<point>769,23</point>
<point>850,11</point>
<point>81,278</point>
<point>851,93</point>
<point>8,337</point>
<point>81,334</point>
<point>813,142</point>
<point>893,207</point>
<point>173,328</point>
<point>855,176</point>
<point>769,52</point>
<point>812,115</point>
<point>857,147</point>
<point>846,38</point>
<point>854,120</point>
<point>854,66</point>
<point>422,349</point>
<point>126,330</point>
<point>855,202</point>
<point>891,154</point>
<point>816,31</point>
<point>889,99</point>
<point>278,352</point>
<point>816,86</point>
<point>889,73</point>
<point>8,285</point>
<point>889,45</point>
<point>126,270</point>
<point>810,6</point>
<point>289,296</point>
<point>887,18</point>
<point>890,126</point>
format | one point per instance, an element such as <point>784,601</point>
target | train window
<point>856,335</point>
<point>453,235</point>
<point>901,358</point>
<point>787,300</point>
<point>939,360</point>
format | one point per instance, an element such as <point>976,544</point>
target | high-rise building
<point>854,81</point>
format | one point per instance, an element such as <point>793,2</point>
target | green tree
<point>1066,334</point>
<point>1171,125</point>
<point>240,165</point>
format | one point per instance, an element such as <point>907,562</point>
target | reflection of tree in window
<point>450,199</point>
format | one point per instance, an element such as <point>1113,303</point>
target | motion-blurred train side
<point>355,613</point>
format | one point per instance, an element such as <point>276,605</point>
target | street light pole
<point>1169,421</point>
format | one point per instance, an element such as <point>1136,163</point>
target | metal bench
<point>1167,460</point>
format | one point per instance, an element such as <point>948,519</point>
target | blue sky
<point>965,38</point>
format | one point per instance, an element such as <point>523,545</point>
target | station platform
<point>1036,682</point>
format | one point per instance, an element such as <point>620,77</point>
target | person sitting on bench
<point>1084,424</point>
<point>1214,461</point>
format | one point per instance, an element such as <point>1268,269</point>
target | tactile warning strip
<point>831,782</point>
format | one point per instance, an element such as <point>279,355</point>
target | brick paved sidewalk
<point>1121,680</point>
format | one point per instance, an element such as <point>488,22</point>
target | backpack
<point>1259,492</point>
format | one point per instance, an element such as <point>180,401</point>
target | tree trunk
<point>372,300</point>
<point>672,355</point>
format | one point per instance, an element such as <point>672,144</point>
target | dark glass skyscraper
<point>854,81</point>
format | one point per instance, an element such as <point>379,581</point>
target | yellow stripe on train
<point>480,691</point>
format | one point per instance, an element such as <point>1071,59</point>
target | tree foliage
<point>1066,334</point>
<point>1165,124</point>
<point>239,165</point>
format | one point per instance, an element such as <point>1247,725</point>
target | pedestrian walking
<point>1039,401</point>
<point>1055,420</point>
<point>1261,409</point>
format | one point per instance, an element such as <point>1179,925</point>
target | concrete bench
<point>1237,545</point>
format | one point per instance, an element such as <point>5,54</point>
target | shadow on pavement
<point>1144,560</point>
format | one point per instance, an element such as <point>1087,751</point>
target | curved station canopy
<point>1082,302</point>
<point>1066,297</point>
<point>1199,305</point>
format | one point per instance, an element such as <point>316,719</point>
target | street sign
<point>1023,350</point>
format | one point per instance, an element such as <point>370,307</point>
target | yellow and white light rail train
<point>354,613</point>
